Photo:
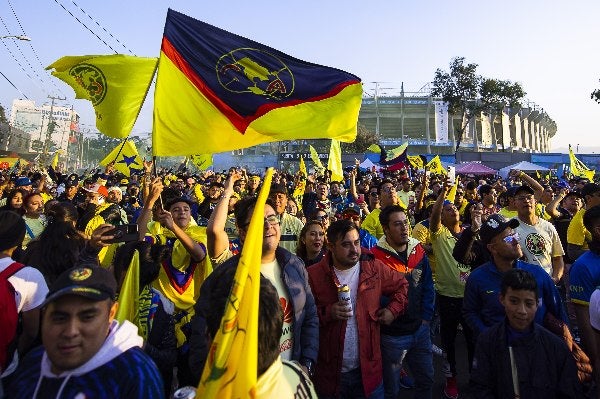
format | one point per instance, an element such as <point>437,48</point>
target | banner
<point>441,121</point>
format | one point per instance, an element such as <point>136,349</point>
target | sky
<point>550,47</point>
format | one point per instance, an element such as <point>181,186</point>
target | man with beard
<point>349,363</point>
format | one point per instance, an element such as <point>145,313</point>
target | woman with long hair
<point>14,201</point>
<point>35,221</point>
<point>59,246</point>
<point>155,314</point>
<point>311,243</point>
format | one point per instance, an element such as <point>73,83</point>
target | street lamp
<point>17,37</point>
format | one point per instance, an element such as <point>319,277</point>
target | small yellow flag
<point>335,161</point>
<point>203,161</point>
<point>129,297</point>
<point>115,84</point>
<point>125,157</point>
<point>435,166</point>
<point>315,158</point>
<point>578,168</point>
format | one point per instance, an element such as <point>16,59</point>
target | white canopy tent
<point>523,166</point>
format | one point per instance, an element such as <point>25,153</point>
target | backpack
<point>9,317</point>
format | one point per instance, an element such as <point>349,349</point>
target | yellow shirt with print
<point>451,276</point>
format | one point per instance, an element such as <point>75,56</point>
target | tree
<point>468,93</point>
<point>3,115</point>
<point>364,138</point>
<point>596,95</point>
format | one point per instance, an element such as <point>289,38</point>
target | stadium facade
<point>429,128</point>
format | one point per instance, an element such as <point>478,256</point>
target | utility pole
<point>50,127</point>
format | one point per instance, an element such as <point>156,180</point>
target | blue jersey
<point>584,277</point>
<point>131,375</point>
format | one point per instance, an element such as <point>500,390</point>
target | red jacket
<point>375,280</point>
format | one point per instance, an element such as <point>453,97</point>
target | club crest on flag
<point>92,80</point>
<point>248,70</point>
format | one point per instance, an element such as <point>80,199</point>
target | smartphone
<point>123,233</point>
<point>451,175</point>
<point>361,199</point>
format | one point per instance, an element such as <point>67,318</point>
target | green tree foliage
<point>468,93</point>
<point>3,115</point>
<point>364,138</point>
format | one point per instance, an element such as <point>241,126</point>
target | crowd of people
<point>363,282</point>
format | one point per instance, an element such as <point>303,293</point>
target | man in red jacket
<point>349,364</point>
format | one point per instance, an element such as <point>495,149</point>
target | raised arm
<point>217,239</point>
<point>155,189</point>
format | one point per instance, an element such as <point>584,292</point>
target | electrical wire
<point>102,27</point>
<point>47,73</point>
<point>86,27</point>
<point>13,85</point>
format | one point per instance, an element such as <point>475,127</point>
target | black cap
<point>175,200</point>
<point>589,189</point>
<point>494,225</point>
<point>512,191</point>
<point>525,188</point>
<point>94,283</point>
<point>278,188</point>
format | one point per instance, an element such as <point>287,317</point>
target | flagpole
<point>156,175</point>
<point>120,150</point>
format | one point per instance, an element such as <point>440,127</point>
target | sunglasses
<point>374,194</point>
<point>322,218</point>
<point>514,237</point>
<point>356,218</point>
<point>272,220</point>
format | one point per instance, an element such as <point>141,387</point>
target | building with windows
<point>49,125</point>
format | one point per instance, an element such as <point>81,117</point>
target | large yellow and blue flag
<point>217,91</point>
<point>115,84</point>
<point>125,157</point>
<point>230,370</point>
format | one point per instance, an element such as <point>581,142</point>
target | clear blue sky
<point>550,47</point>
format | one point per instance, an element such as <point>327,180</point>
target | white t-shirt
<point>351,358</point>
<point>30,292</point>
<point>540,243</point>
<point>595,309</point>
<point>272,271</point>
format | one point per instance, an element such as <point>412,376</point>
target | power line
<point>86,27</point>
<point>13,85</point>
<point>52,81</point>
<point>103,28</point>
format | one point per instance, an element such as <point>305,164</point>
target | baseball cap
<point>352,207</point>
<point>95,283</point>
<point>494,225</point>
<point>278,188</point>
<point>71,183</point>
<point>589,189</point>
<point>525,188</point>
<point>22,181</point>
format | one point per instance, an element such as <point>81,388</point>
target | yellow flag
<point>374,148</point>
<point>415,161</point>
<point>435,166</point>
<point>129,297</point>
<point>230,370</point>
<point>335,161</point>
<point>55,158</point>
<point>315,158</point>
<point>452,193</point>
<point>203,161</point>
<point>578,168</point>
<point>115,84</point>
<point>302,167</point>
<point>125,157</point>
